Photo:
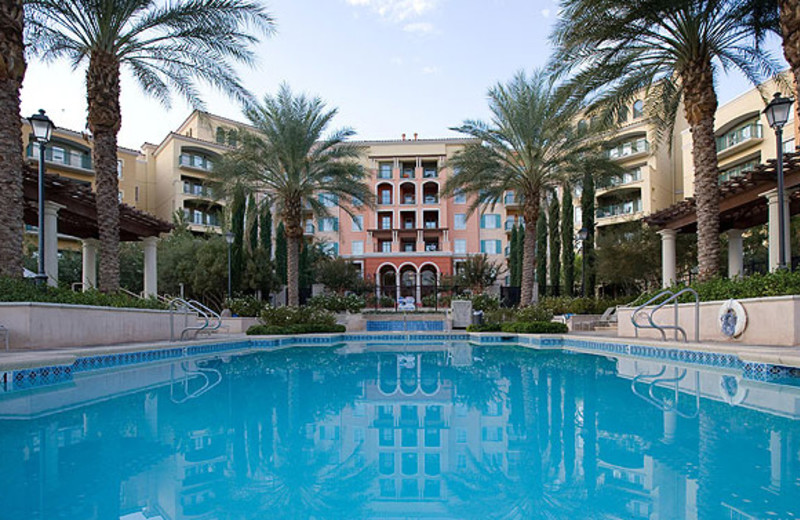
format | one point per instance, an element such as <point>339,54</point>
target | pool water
<point>438,430</point>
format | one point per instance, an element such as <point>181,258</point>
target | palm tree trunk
<point>790,29</point>
<point>531,213</point>
<point>12,70</point>
<point>293,269</point>
<point>700,105</point>
<point>102,88</point>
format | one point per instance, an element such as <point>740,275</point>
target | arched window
<point>220,135</point>
<point>638,109</point>
<point>622,117</point>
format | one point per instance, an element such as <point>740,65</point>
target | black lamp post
<point>229,240</point>
<point>42,129</point>
<point>777,113</point>
<point>583,235</point>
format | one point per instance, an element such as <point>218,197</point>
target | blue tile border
<point>23,379</point>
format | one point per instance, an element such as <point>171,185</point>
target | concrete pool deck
<point>772,355</point>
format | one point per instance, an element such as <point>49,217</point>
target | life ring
<point>732,318</point>
<point>731,391</point>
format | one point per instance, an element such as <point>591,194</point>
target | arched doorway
<point>408,281</point>
<point>387,281</point>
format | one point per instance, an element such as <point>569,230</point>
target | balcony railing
<point>196,161</point>
<point>309,229</point>
<point>628,148</point>
<point>431,199</point>
<point>409,200</point>
<point>61,156</point>
<point>626,178</point>
<point>739,135</point>
<point>197,189</point>
<point>622,208</point>
<point>430,173</point>
<point>511,199</point>
<point>737,171</point>
<point>200,218</point>
<point>431,224</point>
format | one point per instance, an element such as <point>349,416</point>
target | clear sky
<point>390,66</point>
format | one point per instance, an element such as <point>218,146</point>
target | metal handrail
<point>186,305</point>
<point>130,293</point>
<point>212,313</point>
<point>671,297</point>
<point>199,371</point>
<point>665,406</point>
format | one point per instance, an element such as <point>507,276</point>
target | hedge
<point>300,328</point>
<point>25,290</point>
<point>534,327</point>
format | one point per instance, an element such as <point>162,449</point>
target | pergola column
<point>735,254</point>
<point>668,257</point>
<point>418,291</point>
<point>51,241</point>
<point>89,257</point>
<point>150,266</point>
<point>773,228</point>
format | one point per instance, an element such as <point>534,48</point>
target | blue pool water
<point>438,429</point>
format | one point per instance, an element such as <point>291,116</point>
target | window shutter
<point>336,226</point>
<point>483,246</point>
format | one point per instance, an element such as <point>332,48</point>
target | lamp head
<point>778,111</point>
<point>583,234</point>
<point>42,127</point>
<point>229,237</point>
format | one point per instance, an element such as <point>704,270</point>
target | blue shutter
<point>498,246</point>
<point>483,221</point>
<point>483,246</point>
<point>336,225</point>
<point>319,223</point>
<point>497,221</point>
<point>336,249</point>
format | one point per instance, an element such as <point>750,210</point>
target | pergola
<point>71,209</point>
<point>745,201</point>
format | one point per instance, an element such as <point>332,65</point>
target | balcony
<point>197,190</point>
<point>629,149</point>
<point>737,171</point>
<point>628,207</point>
<point>739,138</point>
<point>309,228</point>
<point>431,199</point>
<point>511,199</point>
<point>59,156</point>
<point>629,177</point>
<point>197,162</point>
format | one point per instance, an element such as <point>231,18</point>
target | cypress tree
<point>541,252</point>
<point>520,252</point>
<point>587,219</point>
<point>513,260</point>
<point>266,229</point>
<point>555,246</point>
<point>237,249</point>
<point>280,253</point>
<point>567,246</point>
<point>252,223</point>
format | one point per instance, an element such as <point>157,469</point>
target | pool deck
<point>782,356</point>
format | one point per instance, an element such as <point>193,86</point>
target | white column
<point>775,460</point>
<point>418,293</point>
<point>150,266</point>
<point>89,257</point>
<point>51,241</point>
<point>735,254</point>
<point>772,227</point>
<point>668,270</point>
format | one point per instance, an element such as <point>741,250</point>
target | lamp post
<point>229,240</point>
<point>42,129</point>
<point>777,113</point>
<point>583,234</point>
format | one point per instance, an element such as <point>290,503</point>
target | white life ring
<point>732,318</point>
<point>731,390</point>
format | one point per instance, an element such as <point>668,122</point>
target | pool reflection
<point>443,431</point>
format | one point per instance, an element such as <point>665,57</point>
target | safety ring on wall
<point>732,318</point>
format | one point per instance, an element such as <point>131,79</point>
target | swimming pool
<point>432,426</point>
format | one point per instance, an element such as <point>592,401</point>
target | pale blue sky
<point>390,66</point>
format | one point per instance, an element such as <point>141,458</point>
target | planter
<point>770,321</point>
<point>237,325</point>
<point>51,325</point>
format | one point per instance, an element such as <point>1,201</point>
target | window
<point>492,434</point>
<point>740,134</point>
<point>409,464</point>
<point>358,435</point>
<point>386,463</point>
<point>460,247</point>
<point>385,196</point>
<point>328,200</point>
<point>387,487</point>
<point>386,437</point>
<point>119,168</point>
<point>385,170</point>
<point>460,197</point>
<point>433,437</point>
<point>358,223</point>
<point>461,435</point>
<point>432,489</point>
<point>638,109</point>
<point>460,221</point>
<point>408,438</point>
<point>386,222</point>
<point>491,247</point>
<point>409,488</point>
<point>409,246</point>
<point>491,221</point>
<point>329,224</point>
<point>329,433</point>
<point>357,247</point>
<point>220,135</point>
<point>788,146</point>
<point>386,246</point>
<point>432,464</point>
<point>330,248</point>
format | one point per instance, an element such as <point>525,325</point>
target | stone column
<point>735,254</point>
<point>89,257</point>
<point>418,291</point>
<point>51,241</point>
<point>150,266</point>
<point>772,200</point>
<point>668,270</point>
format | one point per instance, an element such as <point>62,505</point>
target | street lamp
<point>229,240</point>
<point>42,129</point>
<point>777,113</point>
<point>583,235</point>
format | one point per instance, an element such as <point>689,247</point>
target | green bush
<point>485,302</point>
<point>779,283</point>
<point>486,327</point>
<point>534,327</point>
<point>431,301</point>
<point>534,313</point>
<point>289,316</point>
<point>303,328</point>
<point>247,306</point>
<point>17,290</point>
<point>385,302</point>
<point>338,303</point>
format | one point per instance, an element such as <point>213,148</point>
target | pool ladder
<point>192,305</point>
<point>653,380</point>
<point>202,372</point>
<point>672,297</point>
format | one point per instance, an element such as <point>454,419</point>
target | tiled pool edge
<point>15,379</point>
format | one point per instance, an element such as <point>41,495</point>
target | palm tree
<point>531,145</point>
<point>166,46</point>
<point>299,169</point>
<point>12,70</point>
<point>673,50</point>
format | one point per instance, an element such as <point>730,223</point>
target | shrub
<point>534,327</point>
<point>485,302</point>
<point>338,303</point>
<point>386,302</point>
<point>486,327</point>
<point>778,283</point>
<point>16,290</point>
<point>534,313</point>
<point>305,328</point>
<point>431,301</point>
<point>288,316</point>
<point>248,306</point>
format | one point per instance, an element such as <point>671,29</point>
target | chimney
<point>415,136</point>
<point>404,137</point>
